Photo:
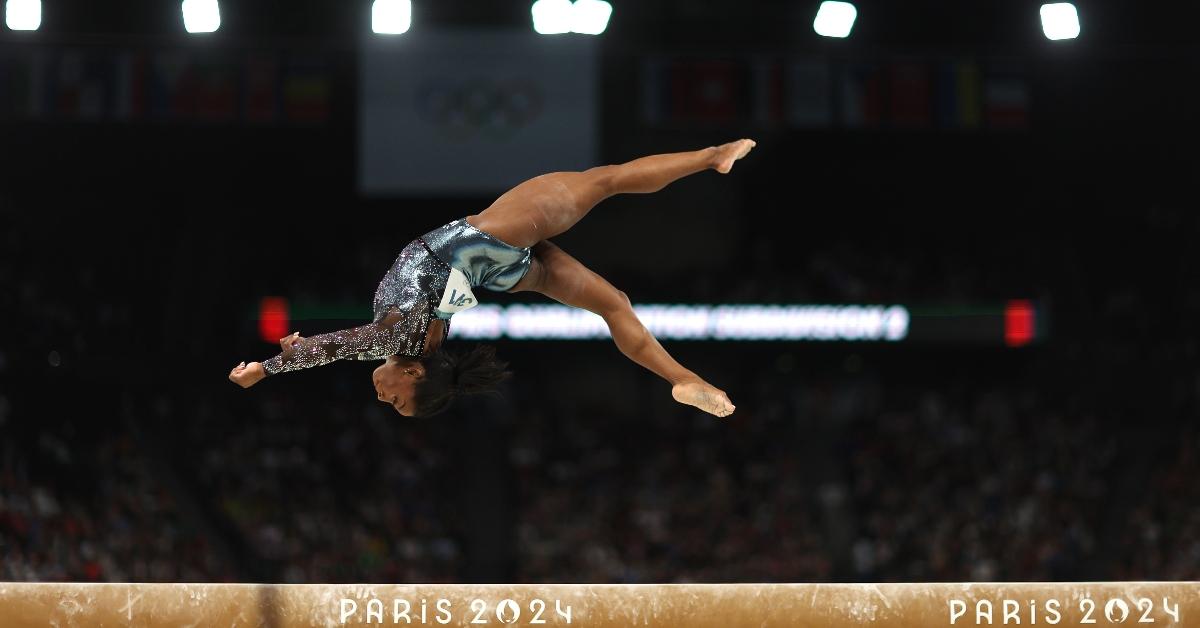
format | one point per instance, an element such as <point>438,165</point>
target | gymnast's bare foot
<point>731,152</point>
<point>704,396</point>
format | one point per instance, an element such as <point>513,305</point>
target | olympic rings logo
<point>497,109</point>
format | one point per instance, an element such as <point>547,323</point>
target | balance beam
<point>600,606</point>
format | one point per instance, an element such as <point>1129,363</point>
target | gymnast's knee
<point>533,279</point>
<point>617,304</point>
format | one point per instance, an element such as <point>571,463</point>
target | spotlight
<point>554,17</point>
<point>590,16</point>
<point>835,19</point>
<point>1060,21</point>
<point>23,15</point>
<point>201,16</point>
<point>391,17</point>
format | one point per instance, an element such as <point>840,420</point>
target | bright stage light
<point>1060,21</point>
<point>552,17</point>
<point>201,16</point>
<point>590,16</point>
<point>23,15</point>
<point>835,19</point>
<point>555,17</point>
<point>391,17</point>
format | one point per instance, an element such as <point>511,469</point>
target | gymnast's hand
<point>247,375</point>
<point>289,344</point>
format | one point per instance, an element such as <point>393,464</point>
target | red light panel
<point>1019,323</point>
<point>273,319</point>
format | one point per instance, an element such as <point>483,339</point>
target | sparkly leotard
<point>428,280</point>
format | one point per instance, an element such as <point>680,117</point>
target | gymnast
<point>506,247</point>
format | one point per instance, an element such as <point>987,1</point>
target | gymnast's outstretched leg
<point>561,277</point>
<point>546,206</point>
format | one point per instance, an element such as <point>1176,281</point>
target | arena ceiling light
<point>555,17</point>
<point>1060,20</point>
<point>391,17</point>
<point>23,15</point>
<point>201,16</point>
<point>590,16</point>
<point>552,17</point>
<point>835,19</point>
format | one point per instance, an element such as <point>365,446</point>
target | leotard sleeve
<point>374,341</point>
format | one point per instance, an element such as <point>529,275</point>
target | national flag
<point>306,94</point>
<point>909,95</point>
<point>129,97</point>
<point>769,89</point>
<point>214,90</point>
<point>959,94</point>
<point>170,87</point>
<point>82,84</point>
<point>261,93</point>
<point>809,101</point>
<point>861,95</point>
<point>1006,102</point>
<point>15,83</point>
<point>697,90</point>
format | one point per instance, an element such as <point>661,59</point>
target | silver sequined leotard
<point>431,278</point>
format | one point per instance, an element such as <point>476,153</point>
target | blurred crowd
<point>101,516</point>
<point>675,498</point>
<point>1160,536</point>
<point>81,497</point>
<point>1001,487</point>
<point>326,492</point>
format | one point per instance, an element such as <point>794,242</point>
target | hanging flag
<point>129,97</point>
<point>683,90</point>
<point>169,86</point>
<point>214,89</point>
<point>767,75</point>
<point>41,84</point>
<point>82,82</point>
<point>1006,102</point>
<point>15,83</point>
<point>958,94</point>
<point>809,101</point>
<point>653,101</point>
<point>711,90</point>
<point>474,111</point>
<point>861,95</point>
<point>306,94</point>
<point>260,96</point>
<point>909,95</point>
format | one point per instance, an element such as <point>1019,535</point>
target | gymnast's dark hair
<point>449,374</point>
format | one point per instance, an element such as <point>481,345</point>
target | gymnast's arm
<point>367,342</point>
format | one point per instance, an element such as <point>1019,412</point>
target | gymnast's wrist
<point>271,366</point>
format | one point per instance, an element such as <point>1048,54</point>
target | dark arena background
<point>954,292</point>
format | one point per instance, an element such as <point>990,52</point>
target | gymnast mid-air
<point>506,247</point>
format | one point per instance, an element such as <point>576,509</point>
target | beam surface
<point>601,606</point>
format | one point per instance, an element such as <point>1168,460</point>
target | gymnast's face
<point>395,382</point>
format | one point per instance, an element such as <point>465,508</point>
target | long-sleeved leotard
<point>430,279</point>
<point>404,306</point>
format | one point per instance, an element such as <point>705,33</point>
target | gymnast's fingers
<point>289,342</point>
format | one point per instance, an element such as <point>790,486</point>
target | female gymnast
<point>504,248</point>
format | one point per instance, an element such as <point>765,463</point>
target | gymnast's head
<point>428,386</point>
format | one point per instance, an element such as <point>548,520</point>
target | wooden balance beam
<point>64,605</point>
